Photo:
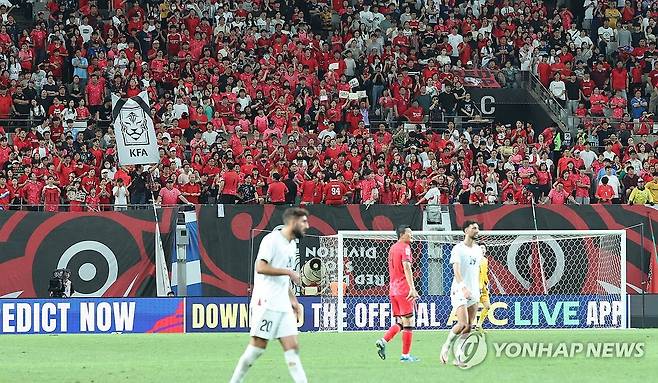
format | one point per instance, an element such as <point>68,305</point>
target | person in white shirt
<point>120,193</point>
<point>558,89</point>
<point>582,39</point>
<point>589,6</point>
<point>273,303</point>
<point>607,35</point>
<point>210,135</point>
<point>433,196</point>
<point>329,132</point>
<point>180,108</point>
<point>465,259</point>
<point>588,156</point>
<point>454,40</point>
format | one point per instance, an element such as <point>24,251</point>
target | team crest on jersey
<point>407,251</point>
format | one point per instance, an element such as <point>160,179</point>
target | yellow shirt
<point>653,188</point>
<point>612,14</point>
<point>484,273</point>
<point>640,197</point>
<point>164,10</point>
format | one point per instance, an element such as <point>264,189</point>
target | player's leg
<point>287,334</point>
<point>458,328</point>
<point>486,303</point>
<point>263,325</point>
<point>392,331</point>
<point>254,350</point>
<point>472,313</point>
<point>408,324</point>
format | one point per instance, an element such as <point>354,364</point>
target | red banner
<point>477,78</point>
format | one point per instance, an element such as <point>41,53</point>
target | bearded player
<point>274,306</point>
<point>484,289</point>
<point>465,260</point>
<point>403,295</point>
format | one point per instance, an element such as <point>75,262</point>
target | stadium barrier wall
<point>92,316</point>
<point>231,314</point>
<point>111,253</point>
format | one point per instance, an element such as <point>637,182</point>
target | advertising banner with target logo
<point>568,272</point>
<point>109,254</point>
<point>91,316</point>
<point>134,131</point>
<point>226,242</point>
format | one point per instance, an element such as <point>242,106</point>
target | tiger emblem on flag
<point>133,125</point>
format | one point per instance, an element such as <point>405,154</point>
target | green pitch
<point>327,357</point>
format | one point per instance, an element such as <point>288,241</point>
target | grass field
<point>327,357</point>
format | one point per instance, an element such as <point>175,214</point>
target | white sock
<point>295,366</point>
<point>451,338</point>
<point>246,360</point>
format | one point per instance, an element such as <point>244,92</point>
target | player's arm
<point>263,267</point>
<point>408,274</point>
<point>295,303</point>
<point>460,281</point>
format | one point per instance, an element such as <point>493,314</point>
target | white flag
<point>134,131</point>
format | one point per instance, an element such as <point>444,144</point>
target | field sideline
<point>327,357</point>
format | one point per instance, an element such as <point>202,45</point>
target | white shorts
<point>457,299</point>
<point>268,324</point>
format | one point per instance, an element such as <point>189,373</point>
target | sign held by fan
<point>134,131</point>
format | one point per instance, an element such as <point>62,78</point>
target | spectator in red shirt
<point>334,192</point>
<point>604,192</point>
<point>169,195</point>
<point>276,191</point>
<point>228,185</point>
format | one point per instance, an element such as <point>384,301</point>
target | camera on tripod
<point>60,285</point>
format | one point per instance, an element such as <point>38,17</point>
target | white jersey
<point>469,259</point>
<point>271,292</point>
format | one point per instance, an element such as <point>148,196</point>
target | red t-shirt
<point>169,197</point>
<point>192,189</point>
<point>398,253</point>
<point>277,191</point>
<point>51,196</point>
<point>334,192</point>
<point>605,192</point>
<point>308,190</point>
<point>231,180</point>
<point>5,106</point>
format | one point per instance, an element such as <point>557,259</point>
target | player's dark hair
<point>294,212</point>
<point>468,223</point>
<point>401,230</point>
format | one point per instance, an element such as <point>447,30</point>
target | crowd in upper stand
<point>272,101</point>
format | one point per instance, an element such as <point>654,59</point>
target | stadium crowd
<point>325,102</point>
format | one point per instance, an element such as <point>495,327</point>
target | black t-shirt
<point>467,106</point>
<point>447,101</point>
<point>138,183</point>
<point>292,190</point>
<point>536,190</point>
<point>23,109</point>
<point>573,90</point>
<point>247,193</point>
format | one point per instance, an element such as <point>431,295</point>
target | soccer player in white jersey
<point>274,307</point>
<point>465,290</point>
